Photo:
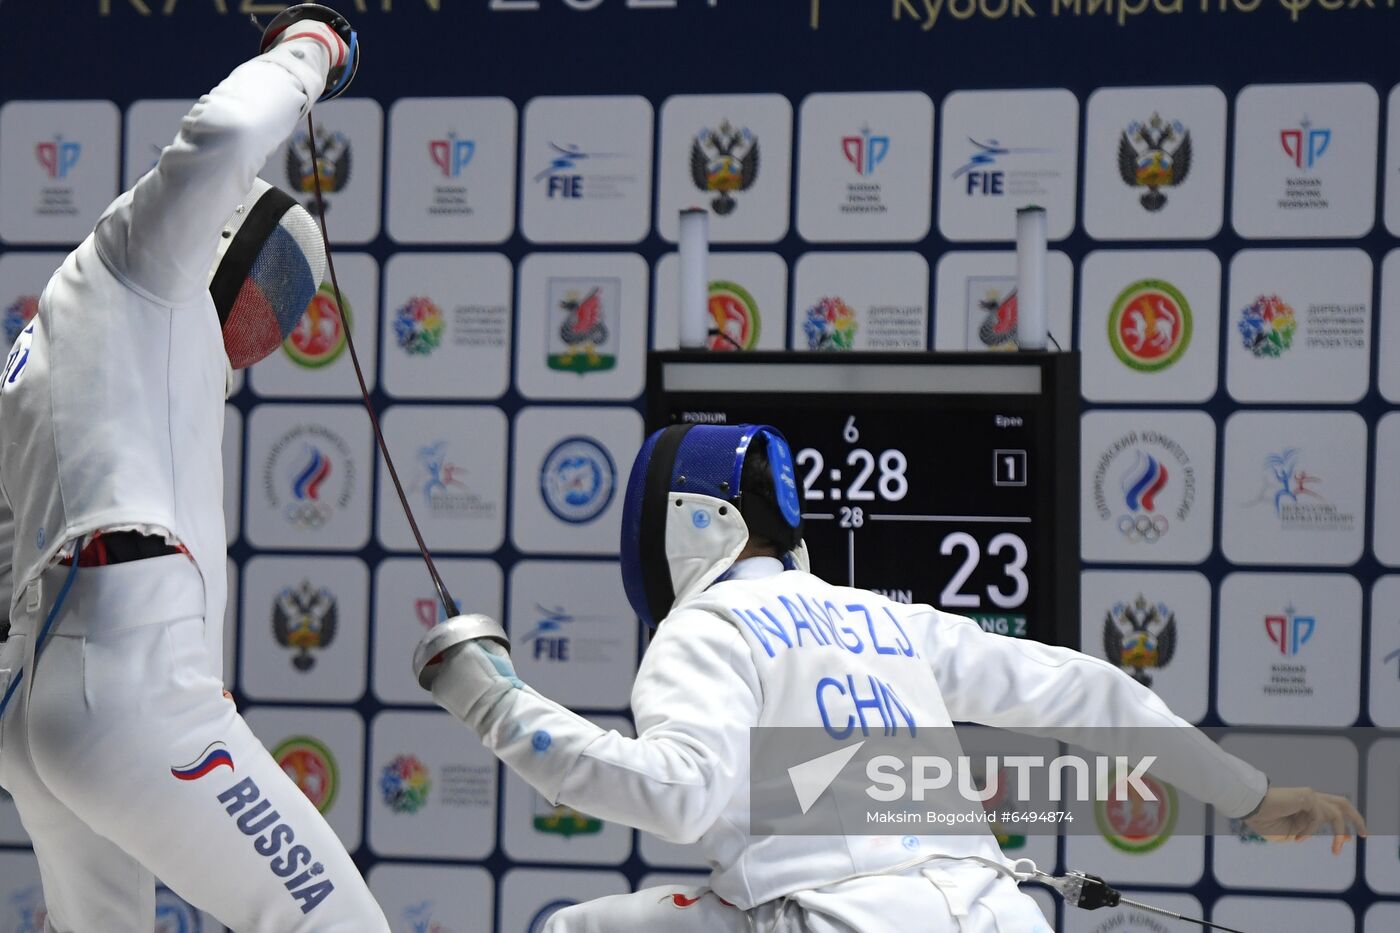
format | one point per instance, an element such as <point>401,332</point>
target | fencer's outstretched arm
<point>162,234</point>
<point>695,697</point>
<point>1019,684</point>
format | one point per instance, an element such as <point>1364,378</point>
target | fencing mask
<point>695,495</point>
<point>270,263</point>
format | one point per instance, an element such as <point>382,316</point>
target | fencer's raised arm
<point>162,234</point>
<point>694,700</point>
<point>1025,685</point>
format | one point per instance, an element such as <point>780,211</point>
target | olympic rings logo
<point>307,515</point>
<point>1149,528</point>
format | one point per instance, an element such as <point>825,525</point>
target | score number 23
<point>1014,570</point>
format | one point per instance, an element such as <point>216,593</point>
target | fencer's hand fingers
<point>1303,824</point>
<point>1353,816</point>
<point>1339,830</point>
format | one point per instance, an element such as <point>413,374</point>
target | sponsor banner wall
<point>503,183</point>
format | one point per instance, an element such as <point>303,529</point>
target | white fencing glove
<point>337,51</point>
<point>465,666</point>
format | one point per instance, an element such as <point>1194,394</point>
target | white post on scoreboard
<point>695,278</point>
<point>1032,324</point>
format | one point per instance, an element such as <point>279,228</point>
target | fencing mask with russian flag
<point>270,262</point>
<point>697,494</point>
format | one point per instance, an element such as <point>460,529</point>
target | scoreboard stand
<point>943,478</point>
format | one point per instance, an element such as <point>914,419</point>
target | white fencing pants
<point>124,758</point>
<point>945,896</point>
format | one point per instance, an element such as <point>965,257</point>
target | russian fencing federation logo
<point>577,480</point>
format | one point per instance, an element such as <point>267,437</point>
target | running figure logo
<point>442,475</point>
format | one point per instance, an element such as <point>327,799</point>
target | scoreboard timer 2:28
<point>941,478</point>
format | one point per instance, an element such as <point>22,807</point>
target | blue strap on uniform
<point>48,624</point>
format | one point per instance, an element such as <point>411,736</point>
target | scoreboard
<point>941,478</point>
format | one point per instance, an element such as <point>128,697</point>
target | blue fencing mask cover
<point>686,516</point>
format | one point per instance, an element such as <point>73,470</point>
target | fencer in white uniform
<point>123,755</point>
<point>711,543</point>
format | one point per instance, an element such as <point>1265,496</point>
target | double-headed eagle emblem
<point>1139,636</point>
<point>724,160</point>
<point>332,160</point>
<point>1154,155</point>
<point>304,618</point>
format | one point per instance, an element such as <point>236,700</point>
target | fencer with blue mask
<point>711,538</point>
<point>125,758</point>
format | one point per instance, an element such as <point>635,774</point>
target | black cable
<point>448,605</point>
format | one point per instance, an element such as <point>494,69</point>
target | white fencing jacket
<point>115,417</point>
<point>709,676</point>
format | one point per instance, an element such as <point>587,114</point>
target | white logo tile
<point>447,323</point>
<point>1299,325</point>
<point>585,170</point>
<point>1305,160</point>
<point>864,167</point>
<point>975,305</point>
<point>1290,648</point>
<point>349,147</point>
<point>452,462</point>
<point>58,168</point>
<point>582,326</point>
<point>731,154</point>
<point>748,301</point>
<point>860,301</point>
<point>1294,488</point>
<point>1149,325</point>
<point>1147,486</point>
<point>1004,150</point>
<point>1154,163</point>
<point>451,170</point>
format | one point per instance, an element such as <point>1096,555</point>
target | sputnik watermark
<point>936,773</point>
<point>1134,787</point>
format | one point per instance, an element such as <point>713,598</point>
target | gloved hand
<point>465,667</point>
<point>325,36</point>
<point>308,22</point>
<point>1296,813</point>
